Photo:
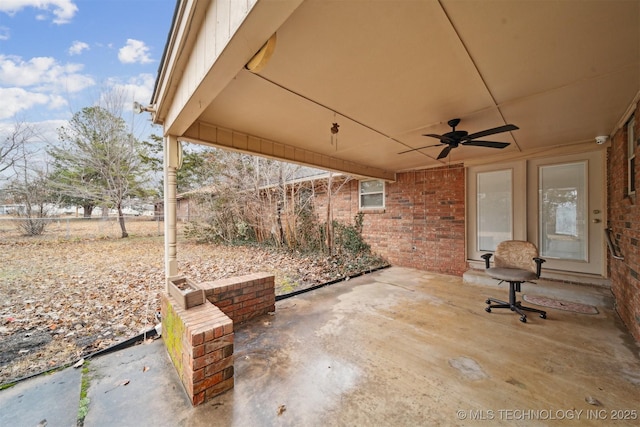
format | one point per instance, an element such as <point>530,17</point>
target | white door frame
<point>525,209</point>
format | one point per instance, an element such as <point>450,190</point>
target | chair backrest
<point>516,254</point>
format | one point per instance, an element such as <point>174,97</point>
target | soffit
<point>388,72</point>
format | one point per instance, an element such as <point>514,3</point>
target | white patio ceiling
<point>389,71</point>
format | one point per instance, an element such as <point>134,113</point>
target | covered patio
<point>370,89</point>
<point>399,347</point>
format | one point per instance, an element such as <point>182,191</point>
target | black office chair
<point>516,262</point>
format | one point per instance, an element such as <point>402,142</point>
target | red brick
<point>197,339</point>
<point>198,399</point>
<point>208,382</point>
<point>227,373</point>
<point>243,298</point>
<point>220,388</point>
<point>223,303</point>
<point>624,219</point>
<point>218,367</point>
<point>198,351</point>
<point>250,289</point>
<point>198,375</point>
<point>219,343</point>
<point>207,359</point>
<point>219,331</point>
<point>228,328</point>
<point>403,220</point>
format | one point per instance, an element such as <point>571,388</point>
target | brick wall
<point>423,223</point>
<point>199,340</point>
<point>200,344</point>
<point>243,297</point>
<point>624,220</point>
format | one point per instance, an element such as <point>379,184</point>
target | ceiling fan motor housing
<point>454,137</point>
<point>460,137</point>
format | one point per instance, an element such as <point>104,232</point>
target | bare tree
<point>14,144</point>
<point>29,185</point>
<point>246,199</point>
<point>100,160</point>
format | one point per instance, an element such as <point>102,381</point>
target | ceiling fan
<point>462,137</point>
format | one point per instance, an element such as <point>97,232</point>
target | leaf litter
<point>64,299</point>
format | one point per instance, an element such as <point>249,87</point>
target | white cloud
<point>41,81</point>
<point>16,100</point>
<point>63,10</point>
<point>78,47</point>
<point>43,73</point>
<point>57,102</point>
<point>135,51</point>
<point>4,33</point>
<point>48,129</point>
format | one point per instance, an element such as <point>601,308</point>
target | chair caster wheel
<point>523,319</point>
<point>488,309</point>
<point>488,301</point>
<point>543,315</point>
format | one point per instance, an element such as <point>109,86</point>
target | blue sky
<point>59,56</point>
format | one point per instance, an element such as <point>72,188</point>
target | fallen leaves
<point>79,296</point>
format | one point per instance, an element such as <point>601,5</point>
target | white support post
<point>172,156</point>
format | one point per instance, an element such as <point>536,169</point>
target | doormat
<point>576,307</point>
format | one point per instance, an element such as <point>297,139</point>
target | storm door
<point>566,211</point>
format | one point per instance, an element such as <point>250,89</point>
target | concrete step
<point>585,293</point>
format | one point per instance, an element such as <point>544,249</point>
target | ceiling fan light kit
<point>461,137</point>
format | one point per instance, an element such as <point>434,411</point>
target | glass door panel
<point>497,206</point>
<point>566,217</point>
<point>494,220</point>
<point>563,216</point>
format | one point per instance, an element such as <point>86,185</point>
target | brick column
<point>200,343</point>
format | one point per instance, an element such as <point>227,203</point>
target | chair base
<point>513,305</point>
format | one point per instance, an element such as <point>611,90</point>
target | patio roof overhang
<point>388,72</point>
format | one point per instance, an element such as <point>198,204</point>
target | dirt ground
<point>80,288</point>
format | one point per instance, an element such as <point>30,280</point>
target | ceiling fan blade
<point>491,144</point>
<point>444,153</point>
<point>487,132</point>
<point>420,148</point>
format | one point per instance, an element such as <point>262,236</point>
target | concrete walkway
<point>399,347</point>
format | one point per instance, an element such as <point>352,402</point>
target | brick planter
<point>243,297</point>
<point>186,293</point>
<point>199,338</point>
<point>200,344</point>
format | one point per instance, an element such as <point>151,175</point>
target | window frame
<point>360,194</point>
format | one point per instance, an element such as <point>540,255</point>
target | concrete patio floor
<point>406,347</point>
<point>398,347</point>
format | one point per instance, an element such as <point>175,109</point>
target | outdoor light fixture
<point>334,134</point>
<point>139,108</point>
<point>261,58</point>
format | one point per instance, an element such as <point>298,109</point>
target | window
<point>631,157</point>
<point>372,194</point>
<point>494,208</point>
<point>562,202</point>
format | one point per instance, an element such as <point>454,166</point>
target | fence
<point>68,227</point>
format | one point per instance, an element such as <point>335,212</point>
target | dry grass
<point>88,289</point>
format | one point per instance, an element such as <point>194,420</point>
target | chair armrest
<point>539,262</point>
<point>486,258</point>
